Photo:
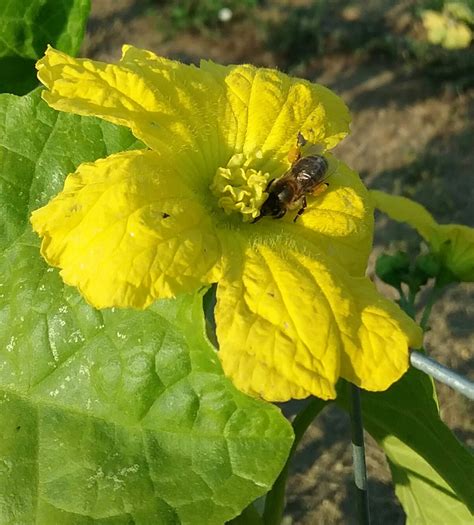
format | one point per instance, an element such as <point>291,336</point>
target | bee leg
<point>320,189</point>
<point>280,214</point>
<point>301,141</point>
<point>302,209</point>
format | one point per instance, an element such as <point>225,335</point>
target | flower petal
<point>270,109</point>
<point>435,25</point>
<point>165,99</point>
<point>289,326</point>
<point>194,96</point>
<point>454,242</point>
<point>458,36</point>
<point>126,230</point>
<point>214,111</point>
<point>401,209</point>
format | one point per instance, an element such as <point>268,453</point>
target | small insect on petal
<point>305,177</point>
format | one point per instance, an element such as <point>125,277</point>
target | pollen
<point>240,188</point>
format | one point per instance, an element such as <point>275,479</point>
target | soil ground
<point>411,136</point>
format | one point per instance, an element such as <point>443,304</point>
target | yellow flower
<point>454,243</point>
<point>447,28</point>
<point>294,311</point>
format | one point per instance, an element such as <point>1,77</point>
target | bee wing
<point>333,168</point>
<point>322,182</point>
<point>324,179</point>
<point>280,180</point>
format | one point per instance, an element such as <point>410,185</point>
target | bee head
<point>271,207</point>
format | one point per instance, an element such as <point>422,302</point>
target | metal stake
<point>442,373</point>
<point>358,457</point>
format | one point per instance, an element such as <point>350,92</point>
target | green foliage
<point>202,14</point>
<point>428,265</point>
<point>367,31</point>
<point>398,269</point>
<point>417,484</point>
<point>300,34</point>
<point>28,26</point>
<point>393,269</point>
<point>462,11</point>
<point>432,471</point>
<point>249,516</point>
<point>118,416</point>
<point>304,32</point>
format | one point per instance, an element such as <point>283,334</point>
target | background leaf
<point>117,416</point>
<point>431,469</point>
<point>28,26</point>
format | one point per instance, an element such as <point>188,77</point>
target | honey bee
<point>306,176</point>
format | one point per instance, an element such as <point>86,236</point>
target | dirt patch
<point>410,136</point>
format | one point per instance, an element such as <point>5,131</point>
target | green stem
<point>407,304</point>
<point>275,500</point>
<point>432,298</point>
<point>402,299</point>
<point>411,298</point>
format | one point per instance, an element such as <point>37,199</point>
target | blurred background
<point>406,70</point>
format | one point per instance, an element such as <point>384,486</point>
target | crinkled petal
<point>126,230</point>
<point>289,325</point>
<point>267,109</point>
<point>168,105</point>
<point>193,94</point>
<point>454,242</point>
<point>213,111</point>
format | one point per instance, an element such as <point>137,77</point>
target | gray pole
<point>442,373</point>
<point>358,457</point>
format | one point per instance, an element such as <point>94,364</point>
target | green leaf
<point>425,496</point>
<point>118,416</point>
<point>431,469</point>
<point>249,516</point>
<point>28,26</point>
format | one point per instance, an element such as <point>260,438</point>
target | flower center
<point>240,188</point>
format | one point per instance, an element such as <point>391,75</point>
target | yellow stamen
<point>240,188</point>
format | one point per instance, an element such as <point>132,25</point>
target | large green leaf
<point>28,26</point>
<point>119,416</point>
<point>424,494</point>
<point>432,471</point>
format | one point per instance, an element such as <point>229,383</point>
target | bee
<point>306,176</point>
